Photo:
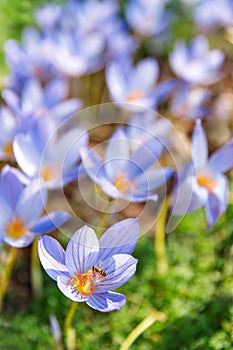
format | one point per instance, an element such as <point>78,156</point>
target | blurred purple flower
<point>133,87</point>
<point>197,64</point>
<point>125,174</point>
<point>90,269</point>
<point>34,58</point>
<point>211,14</point>
<point>48,16</point>
<point>147,17</point>
<point>188,102</point>
<point>36,101</point>
<point>202,182</point>
<point>41,153</point>
<point>20,210</point>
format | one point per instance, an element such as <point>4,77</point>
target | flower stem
<point>160,239</point>
<point>137,331</point>
<point>69,330</point>
<point>7,274</point>
<point>36,272</point>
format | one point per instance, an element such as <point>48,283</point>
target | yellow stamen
<point>16,229</point>
<point>122,184</point>
<point>50,172</point>
<point>84,283</point>
<point>205,180</point>
<point>8,149</point>
<point>135,95</point>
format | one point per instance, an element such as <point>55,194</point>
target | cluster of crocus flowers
<point>90,269</point>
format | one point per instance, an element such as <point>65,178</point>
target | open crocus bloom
<point>127,173</point>
<point>202,182</point>
<point>90,269</point>
<point>21,208</point>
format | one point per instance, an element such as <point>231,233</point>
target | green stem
<point>137,331</point>
<point>160,239</point>
<point>6,275</point>
<point>36,272</point>
<point>69,330</point>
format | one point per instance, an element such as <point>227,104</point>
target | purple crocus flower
<point>36,101</point>
<point>189,102</point>
<point>21,208</point>
<point>127,174</point>
<point>33,58</point>
<point>133,87</point>
<point>211,14</point>
<point>147,17</point>
<point>41,153</point>
<point>202,182</point>
<point>90,269</point>
<point>197,64</point>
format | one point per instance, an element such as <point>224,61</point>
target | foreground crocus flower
<point>202,182</point>
<point>127,171</point>
<point>197,64</point>
<point>21,208</point>
<point>90,269</point>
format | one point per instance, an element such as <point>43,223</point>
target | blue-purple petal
<point>106,302</point>
<point>10,186</point>
<point>222,160</point>
<point>62,283</point>
<point>49,222</point>
<point>52,256</point>
<point>199,147</point>
<point>119,238</point>
<point>82,251</point>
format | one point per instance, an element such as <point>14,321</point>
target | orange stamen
<point>50,172</point>
<point>122,184</point>
<point>207,181</point>
<point>135,95</point>
<point>16,229</point>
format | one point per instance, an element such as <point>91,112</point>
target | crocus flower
<point>211,14</point>
<point>202,182</point>
<point>36,101</point>
<point>147,17</point>
<point>21,208</point>
<point>133,87</point>
<point>197,64</point>
<point>33,58</point>
<point>189,102</point>
<point>42,154</point>
<point>125,173</point>
<point>90,269</point>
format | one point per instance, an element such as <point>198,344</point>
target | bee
<point>96,269</point>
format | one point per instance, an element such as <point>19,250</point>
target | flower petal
<point>199,147</point>
<point>119,238</point>
<point>49,222</point>
<point>10,186</point>
<point>52,256</point>
<point>106,302</point>
<point>82,251</point>
<point>116,154</point>
<point>119,269</point>
<point>217,202</point>
<point>31,202</point>
<point>21,242</point>
<point>152,178</point>
<point>222,160</point>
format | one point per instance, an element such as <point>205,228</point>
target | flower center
<point>8,149</point>
<point>135,95</point>
<point>16,229</point>
<point>122,184</point>
<point>84,283</point>
<point>50,172</point>
<point>207,181</point>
